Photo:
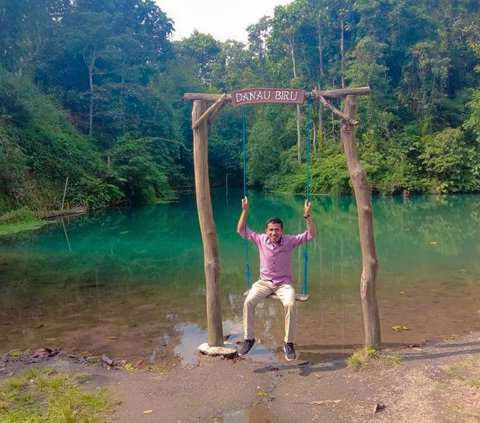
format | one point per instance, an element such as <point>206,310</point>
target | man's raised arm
<point>306,214</point>
<point>242,222</point>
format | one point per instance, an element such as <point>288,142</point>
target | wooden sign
<point>267,95</point>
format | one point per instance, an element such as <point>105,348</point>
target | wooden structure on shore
<point>203,116</point>
<point>51,214</point>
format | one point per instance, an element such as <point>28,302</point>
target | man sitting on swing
<point>275,250</point>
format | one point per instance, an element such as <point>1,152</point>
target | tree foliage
<point>93,91</point>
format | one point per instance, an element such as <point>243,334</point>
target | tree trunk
<point>299,136</point>
<point>292,55</point>
<point>207,227</point>
<point>298,117</point>
<point>90,62</point>
<point>320,45</point>
<point>90,109</point>
<point>342,52</point>
<point>363,198</point>
<point>320,123</point>
<point>314,142</point>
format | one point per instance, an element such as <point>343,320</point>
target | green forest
<point>92,91</point>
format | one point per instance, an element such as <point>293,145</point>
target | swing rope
<point>244,142</point>
<point>307,192</point>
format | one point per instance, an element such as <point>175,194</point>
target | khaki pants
<point>259,291</point>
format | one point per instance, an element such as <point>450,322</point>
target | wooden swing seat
<point>298,297</point>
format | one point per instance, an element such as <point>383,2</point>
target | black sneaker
<point>290,354</point>
<point>246,347</point>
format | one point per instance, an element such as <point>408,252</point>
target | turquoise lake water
<point>130,283</point>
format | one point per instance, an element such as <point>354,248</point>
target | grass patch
<point>38,396</point>
<point>13,228</point>
<point>362,358</point>
<point>154,368</point>
<point>469,381</point>
<point>463,365</point>
<point>366,357</point>
<point>17,216</point>
<point>394,359</point>
<point>466,415</point>
<point>157,368</point>
<point>18,221</point>
<point>442,385</point>
<point>466,372</point>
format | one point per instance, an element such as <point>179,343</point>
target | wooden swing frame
<point>202,118</point>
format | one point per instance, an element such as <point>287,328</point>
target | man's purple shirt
<point>276,259</point>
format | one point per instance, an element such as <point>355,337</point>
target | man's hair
<point>276,220</point>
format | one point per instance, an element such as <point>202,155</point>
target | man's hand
<point>242,222</point>
<point>306,214</point>
<point>306,208</point>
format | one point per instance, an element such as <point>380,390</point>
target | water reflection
<point>256,413</point>
<point>130,283</point>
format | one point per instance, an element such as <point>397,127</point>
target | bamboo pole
<point>64,193</point>
<point>363,199</point>
<point>207,227</point>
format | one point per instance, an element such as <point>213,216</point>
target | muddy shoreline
<point>435,382</point>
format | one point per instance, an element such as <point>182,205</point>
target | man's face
<point>274,232</point>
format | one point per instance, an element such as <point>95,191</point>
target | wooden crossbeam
<point>336,111</point>
<point>315,95</point>
<point>210,112</point>
<point>340,92</point>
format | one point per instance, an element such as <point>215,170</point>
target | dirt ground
<point>420,383</point>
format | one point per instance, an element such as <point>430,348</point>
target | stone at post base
<point>227,351</point>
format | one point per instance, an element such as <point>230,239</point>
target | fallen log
<point>60,213</point>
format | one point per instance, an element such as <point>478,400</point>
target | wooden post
<point>207,226</point>
<point>363,198</point>
<point>64,192</point>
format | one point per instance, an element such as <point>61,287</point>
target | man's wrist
<point>306,216</point>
